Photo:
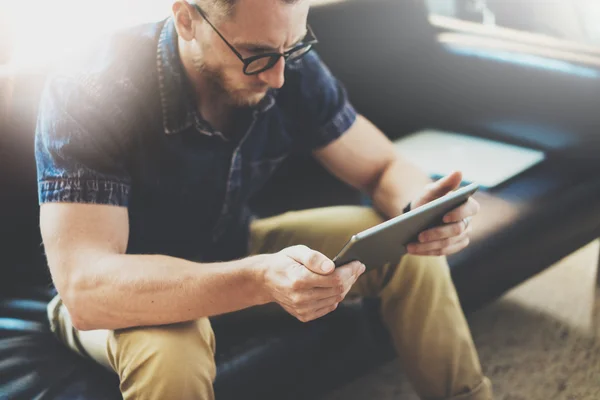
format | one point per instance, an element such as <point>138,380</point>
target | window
<point>42,30</point>
<point>572,20</point>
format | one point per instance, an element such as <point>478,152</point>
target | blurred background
<point>38,30</point>
<point>574,20</point>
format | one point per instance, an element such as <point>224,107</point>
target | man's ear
<point>183,14</point>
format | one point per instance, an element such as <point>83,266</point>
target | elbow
<point>81,323</point>
<point>76,299</point>
<point>80,315</point>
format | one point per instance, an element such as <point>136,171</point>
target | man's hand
<point>306,283</point>
<point>454,235</point>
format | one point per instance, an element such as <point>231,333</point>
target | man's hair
<point>225,8</point>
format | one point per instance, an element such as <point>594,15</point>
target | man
<point>148,150</point>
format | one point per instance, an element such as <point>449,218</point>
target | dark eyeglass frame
<point>273,57</point>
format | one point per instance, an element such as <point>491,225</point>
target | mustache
<point>260,88</point>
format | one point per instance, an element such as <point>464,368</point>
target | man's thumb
<point>446,184</point>
<point>311,259</point>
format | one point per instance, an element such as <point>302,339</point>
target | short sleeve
<point>80,153</point>
<point>320,102</point>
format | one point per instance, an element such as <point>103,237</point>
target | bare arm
<point>105,289</point>
<point>366,159</point>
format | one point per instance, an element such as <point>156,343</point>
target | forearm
<point>400,183</point>
<point>140,290</point>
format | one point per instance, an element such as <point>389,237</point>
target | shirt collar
<point>176,98</point>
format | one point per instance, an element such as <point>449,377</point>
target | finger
<point>319,304</point>
<point>308,297</point>
<point>311,259</point>
<point>324,304</point>
<point>322,312</point>
<point>350,282</point>
<point>336,294</point>
<point>422,248</point>
<point>444,185</point>
<point>349,287</point>
<point>339,276</point>
<point>442,232</point>
<point>358,269</point>
<point>469,209</point>
<point>455,248</point>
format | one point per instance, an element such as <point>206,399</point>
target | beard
<point>223,88</point>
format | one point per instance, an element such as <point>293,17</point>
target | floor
<point>541,341</point>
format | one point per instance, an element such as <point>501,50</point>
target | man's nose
<point>274,77</point>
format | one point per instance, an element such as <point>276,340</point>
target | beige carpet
<point>541,341</point>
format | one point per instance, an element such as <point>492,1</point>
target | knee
<point>421,273</point>
<point>426,267</point>
<point>175,360</point>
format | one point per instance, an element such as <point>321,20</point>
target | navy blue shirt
<point>120,126</point>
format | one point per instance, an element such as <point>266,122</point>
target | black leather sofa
<point>403,76</point>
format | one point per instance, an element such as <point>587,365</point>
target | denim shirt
<point>119,126</point>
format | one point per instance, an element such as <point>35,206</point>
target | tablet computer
<point>386,243</point>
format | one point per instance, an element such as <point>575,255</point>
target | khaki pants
<point>419,306</point>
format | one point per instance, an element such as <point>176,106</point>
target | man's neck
<point>211,103</point>
<point>213,106</point>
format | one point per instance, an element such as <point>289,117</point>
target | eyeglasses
<point>256,64</point>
